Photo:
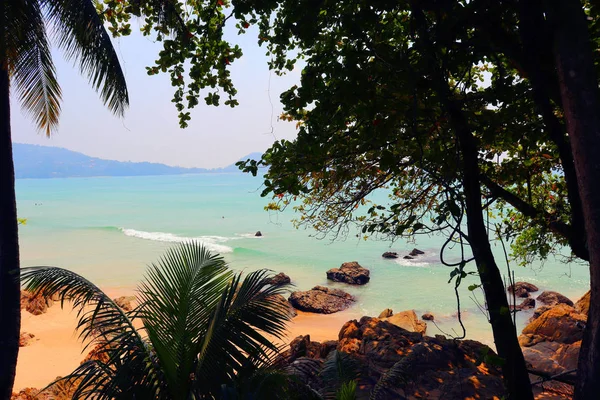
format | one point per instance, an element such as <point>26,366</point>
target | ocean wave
<point>422,260</point>
<point>210,242</point>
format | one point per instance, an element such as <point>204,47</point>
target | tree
<point>203,330</point>
<point>26,66</point>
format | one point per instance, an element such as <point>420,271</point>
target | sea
<point>108,229</point>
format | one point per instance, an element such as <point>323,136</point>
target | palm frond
<point>30,64</point>
<point>338,370</point>
<point>81,34</point>
<point>236,334</point>
<point>104,325</point>
<point>179,294</point>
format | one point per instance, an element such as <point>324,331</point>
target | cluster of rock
<point>413,253</point>
<point>35,304</point>
<point>427,367</point>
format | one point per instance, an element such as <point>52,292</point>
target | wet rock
<point>415,252</point>
<point>526,304</point>
<point>522,289</point>
<point>583,304</point>
<point>25,339</point>
<point>386,313</point>
<point>390,254</point>
<point>349,272</point>
<point>408,320</point>
<point>321,300</point>
<point>407,257</point>
<point>279,279</point>
<point>427,317</point>
<point>125,302</point>
<point>551,298</point>
<point>258,233</point>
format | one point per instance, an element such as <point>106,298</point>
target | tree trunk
<point>10,307</point>
<point>579,92</point>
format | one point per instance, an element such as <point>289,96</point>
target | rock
<point>36,305</point>
<point>25,339</point>
<point>583,304</point>
<point>302,346</point>
<point>258,233</point>
<point>539,311</point>
<point>562,324</point>
<point>551,298</point>
<point>31,394</point>
<point>427,317</point>
<point>527,304</point>
<point>522,289</point>
<point>390,254</point>
<point>386,313</point>
<point>279,279</point>
<point>125,302</point>
<point>321,300</point>
<point>407,257</point>
<point>98,353</point>
<point>284,303</point>
<point>408,320</point>
<point>415,252</point>
<point>349,272</point>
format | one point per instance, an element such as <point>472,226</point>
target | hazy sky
<point>216,136</point>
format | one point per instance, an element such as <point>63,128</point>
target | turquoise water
<point>108,229</point>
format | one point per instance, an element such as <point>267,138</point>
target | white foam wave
<point>421,260</point>
<point>210,242</point>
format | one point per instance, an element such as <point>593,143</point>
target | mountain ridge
<point>37,161</point>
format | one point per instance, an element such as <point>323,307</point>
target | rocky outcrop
<point>25,339</point>
<point>551,298</point>
<point>279,279</point>
<point>427,317</point>
<point>386,313</point>
<point>284,303</point>
<point>36,305</point>
<point>561,324</point>
<point>390,254</point>
<point>583,304</point>
<point>321,300</point>
<point>258,234</point>
<point>349,272</point>
<point>415,252</point>
<point>125,302</point>
<point>522,289</point>
<point>407,320</point>
<point>527,304</point>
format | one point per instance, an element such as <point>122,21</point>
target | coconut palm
<point>26,67</point>
<point>203,331</point>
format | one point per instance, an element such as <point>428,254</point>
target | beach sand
<point>55,350</point>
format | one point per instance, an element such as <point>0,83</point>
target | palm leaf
<point>178,295</point>
<point>81,34</point>
<point>235,336</point>
<point>130,365</point>
<point>30,63</point>
<point>339,369</point>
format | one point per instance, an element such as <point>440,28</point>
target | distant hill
<point>33,161</point>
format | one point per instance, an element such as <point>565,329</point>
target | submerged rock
<point>258,233</point>
<point>279,279</point>
<point>349,272</point>
<point>427,317</point>
<point>522,289</point>
<point>551,298</point>
<point>390,254</point>
<point>415,252</point>
<point>407,257</point>
<point>321,300</point>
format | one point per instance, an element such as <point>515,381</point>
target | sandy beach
<point>56,350</point>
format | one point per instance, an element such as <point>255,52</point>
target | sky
<point>216,136</point>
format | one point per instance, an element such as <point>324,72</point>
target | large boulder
<point>527,304</point>
<point>408,320</point>
<point>390,254</point>
<point>321,300</point>
<point>551,298</point>
<point>125,302</point>
<point>583,304</point>
<point>35,304</point>
<point>522,289</point>
<point>349,272</point>
<point>562,324</point>
<point>279,279</point>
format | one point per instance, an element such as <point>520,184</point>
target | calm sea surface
<point>109,229</point>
